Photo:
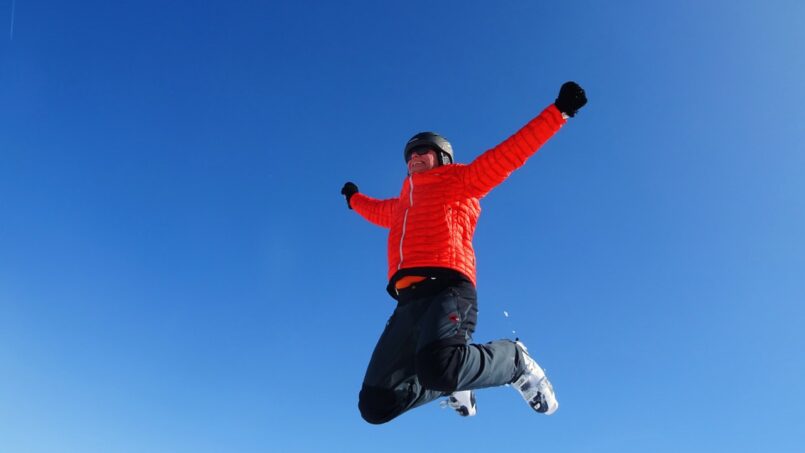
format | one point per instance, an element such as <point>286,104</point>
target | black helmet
<point>430,140</point>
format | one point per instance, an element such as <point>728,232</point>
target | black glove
<point>571,98</point>
<point>348,191</point>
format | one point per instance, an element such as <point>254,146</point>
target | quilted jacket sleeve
<point>495,165</point>
<point>376,211</point>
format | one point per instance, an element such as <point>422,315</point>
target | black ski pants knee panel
<point>378,405</point>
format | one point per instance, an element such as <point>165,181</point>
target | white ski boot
<point>534,386</point>
<point>462,402</point>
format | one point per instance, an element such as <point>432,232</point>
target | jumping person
<point>426,349</point>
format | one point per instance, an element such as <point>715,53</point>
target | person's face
<point>422,162</point>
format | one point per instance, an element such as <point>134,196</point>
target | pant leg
<point>446,360</point>
<point>390,386</point>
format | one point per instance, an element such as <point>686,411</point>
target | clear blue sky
<point>178,272</point>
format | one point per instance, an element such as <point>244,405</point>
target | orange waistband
<point>408,280</point>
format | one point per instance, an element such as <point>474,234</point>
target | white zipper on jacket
<point>405,217</point>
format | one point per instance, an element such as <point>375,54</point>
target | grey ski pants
<point>425,352</point>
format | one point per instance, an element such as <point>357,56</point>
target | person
<point>425,351</point>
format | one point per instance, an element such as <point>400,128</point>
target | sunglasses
<point>419,151</point>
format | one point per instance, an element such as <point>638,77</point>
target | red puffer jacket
<point>433,220</point>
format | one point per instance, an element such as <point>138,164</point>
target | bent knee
<point>437,367</point>
<point>378,405</point>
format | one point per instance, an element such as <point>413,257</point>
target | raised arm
<point>375,211</point>
<point>495,165</point>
